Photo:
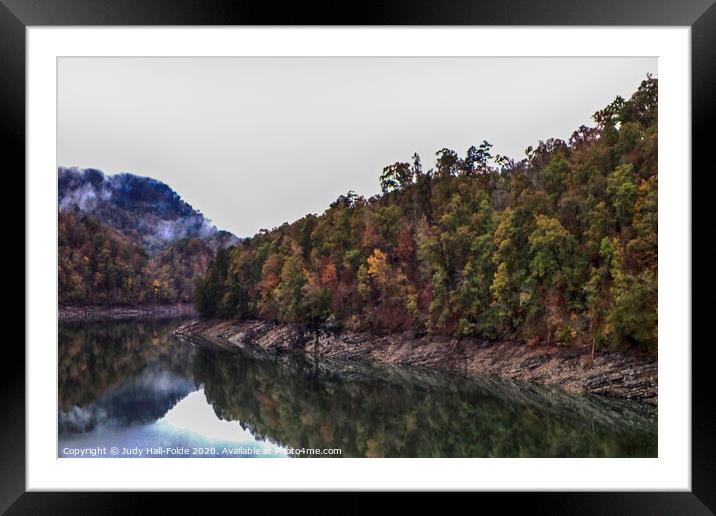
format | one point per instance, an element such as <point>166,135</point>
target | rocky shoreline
<point>100,313</point>
<point>628,375</point>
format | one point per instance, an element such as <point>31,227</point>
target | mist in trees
<point>99,265</point>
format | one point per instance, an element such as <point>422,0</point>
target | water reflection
<point>143,398</point>
<point>133,384</point>
<point>128,386</point>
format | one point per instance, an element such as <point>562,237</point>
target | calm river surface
<point>133,389</point>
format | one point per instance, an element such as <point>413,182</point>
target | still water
<point>132,389</point>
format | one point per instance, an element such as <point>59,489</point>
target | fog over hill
<point>142,208</point>
<point>125,239</point>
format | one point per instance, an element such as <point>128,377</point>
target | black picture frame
<point>16,15</point>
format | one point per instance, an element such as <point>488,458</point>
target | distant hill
<point>126,239</point>
<point>142,208</point>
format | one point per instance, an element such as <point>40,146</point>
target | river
<point>133,389</point>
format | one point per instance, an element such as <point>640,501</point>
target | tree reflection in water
<point>397,412</point>
<point>117,374</point>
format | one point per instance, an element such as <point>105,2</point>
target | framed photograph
<point>417,248</point>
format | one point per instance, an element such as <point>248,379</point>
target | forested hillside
<point>559,247</point>
<point>126,239</point>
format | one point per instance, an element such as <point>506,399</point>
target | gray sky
<point>255,142</point>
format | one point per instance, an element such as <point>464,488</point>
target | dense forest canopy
<point>100,266</point>
<point>559,247</point>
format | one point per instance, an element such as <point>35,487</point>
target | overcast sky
<point>254,142</point>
